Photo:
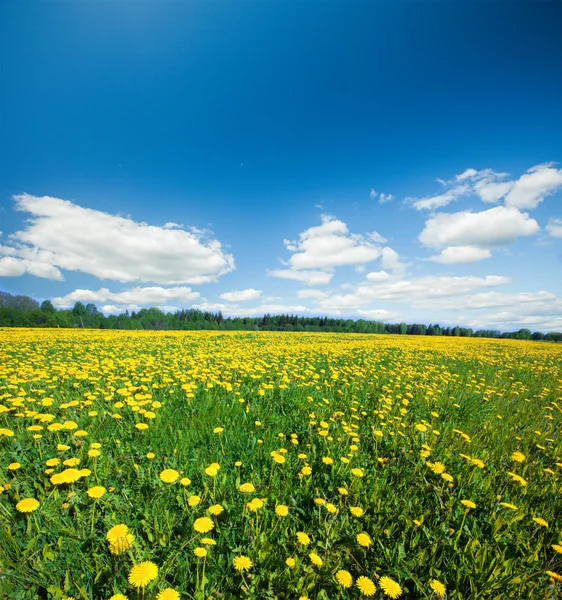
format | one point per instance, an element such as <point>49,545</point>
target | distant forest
<point>22,311</point>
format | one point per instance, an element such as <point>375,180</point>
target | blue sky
<point>386,160</point>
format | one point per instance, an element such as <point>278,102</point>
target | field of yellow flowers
<point>166,465</point>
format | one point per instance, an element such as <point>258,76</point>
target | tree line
<point>23,311</point>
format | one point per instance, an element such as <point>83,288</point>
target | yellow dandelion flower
<point>116,533</point>
<point>290,562</point>
<point>14,466</point>
<point>216,509</point>
<point>185,481</point>
<point>247,488</point>
<point>344,578</point>
<point>169,475</point>
<point>200,552</point>
<point>438,588</point>
<point>96,492</point>
<point>364,540</point>
<point>281,510</point>
<point>508,505</point>
<point>315,559</point>
<point>357,472</point>
<point>122,544</point>
<point>303,538</point>
<point>557,548</point>
<point>518,457</point>
<point>203,525</point>
<point>540,521</point>
<point>27,505</point>
<point>356,511</point>
<point>168,594</point>
<point>142,574</point>
<point>118,597</point>
<point>554,576</point>
<point>366,586</point>
<point>468,503</point>
<point>390,587</point>
<point>194,500</point>
<point>208,541</point>
<point>437,467</point>
<point>242,563</point>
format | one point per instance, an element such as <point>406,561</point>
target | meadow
<point>192,465</point>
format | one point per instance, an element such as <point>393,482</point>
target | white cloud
<point>526,192</point>
<point>377,276</point>
<point>377,237</point>
<point>390,259</point>
<point>461,255</point>
<point>64,235</point>
<point>494,227</point>
<point>372,194</point>
<point>306,277</point>
<point>242,295</point>
<point>320,249</point>
<point>16,267</point>
<point>384,198</point>
<point>331,245</point>
<point>432,202</point>
<point>468,174</point>
<point>137,296</point>
<point>554,227</point>
<point>530,189</point>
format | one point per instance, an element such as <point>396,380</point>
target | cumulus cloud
<point>15,267</point>
<point>372,194</point>
<point>242,295</point>
<point>320,249</point>
<point>377,276</point>
<point>554,228</point>
<point>461,255</point>
<point>63,235</point>
<point>331,245</point>
<point>137,296</point>
<point>531,189</point>
<point>487,229</point>
<point>390,259</point>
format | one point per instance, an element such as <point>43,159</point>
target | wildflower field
<point>165,465</point>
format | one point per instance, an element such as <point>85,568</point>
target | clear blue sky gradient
<point>245,116</point>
